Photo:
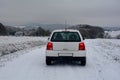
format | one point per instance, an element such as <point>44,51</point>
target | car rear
<point>65,45</point>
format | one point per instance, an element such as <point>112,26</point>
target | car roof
<point>60,30</point>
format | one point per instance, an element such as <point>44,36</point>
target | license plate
<point>65,54</point>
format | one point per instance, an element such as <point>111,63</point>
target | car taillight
<point>49,46</point>
<point>81,46</point>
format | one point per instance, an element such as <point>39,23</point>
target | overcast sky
<point>94,12</point>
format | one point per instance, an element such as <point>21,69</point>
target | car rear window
<point>65,37</point>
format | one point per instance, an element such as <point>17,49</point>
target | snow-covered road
<point>103,63</point>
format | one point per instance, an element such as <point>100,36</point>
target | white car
<point>65,45</point>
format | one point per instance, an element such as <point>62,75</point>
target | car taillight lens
<point>81,46</point>
<point>49,46</point>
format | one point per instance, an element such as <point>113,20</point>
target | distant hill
<point>52,27</point>
<point>89,31</point>
<point>49,27</point>
<point>12,30</point>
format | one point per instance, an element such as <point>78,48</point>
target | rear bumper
<point>65,58</point>
<point>64,53</point>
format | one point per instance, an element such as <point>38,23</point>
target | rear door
<point>65,41</point>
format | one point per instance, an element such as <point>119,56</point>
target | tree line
<point>8,30</point>
<point>87,31</point>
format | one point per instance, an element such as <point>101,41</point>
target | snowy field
<point>103,63</point>
<point>10,44</point>
<point>113,34</point>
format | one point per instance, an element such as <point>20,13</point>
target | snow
<point>103,63</point>
<point>10,44</point>
<point>113,34</point>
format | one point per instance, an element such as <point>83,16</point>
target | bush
<point>118,36</point>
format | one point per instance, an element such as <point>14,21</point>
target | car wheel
<point>48,61</point>
<point>83,61</point>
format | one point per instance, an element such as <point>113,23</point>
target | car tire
<point>48,61</point>
<point>83,61</point>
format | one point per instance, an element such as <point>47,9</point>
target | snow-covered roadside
<point>109,48</point>
<point>10,57</point>
<point>10,44</point>
<point>112,34</point>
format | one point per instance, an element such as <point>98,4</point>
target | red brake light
<point>49,46</point>
<point>81,46</point>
